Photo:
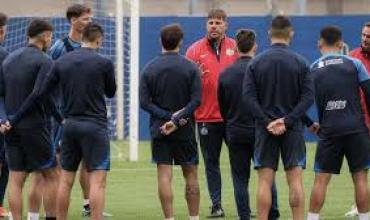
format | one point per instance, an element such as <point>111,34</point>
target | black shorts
<point>171,152</point>
<point>29,149</point>
<point>331,151</point>
<point>268,148</point>
<point>87,140</point>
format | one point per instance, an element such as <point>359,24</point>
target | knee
<point>98,183</point>
<point>192,189</point>
<point>296,196</point>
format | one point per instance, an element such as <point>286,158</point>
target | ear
<point>340,45</point>
<point>291,34</point>
<point>255,47</point>
<point>73,20</point>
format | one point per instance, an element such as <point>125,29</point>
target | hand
<point>314,128</point>
<point>277,127</point>
<point>5,127</point>
<point>168,127</point>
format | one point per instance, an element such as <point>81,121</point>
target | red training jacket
<point>365,59</point>
<point>203,55</point>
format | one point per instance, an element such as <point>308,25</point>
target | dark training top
<point>238,118</point>
<point>22,72</point>
<point>337,79</point>
<point>278,84</point>
<point>170,83</point>
<point>85,78</point>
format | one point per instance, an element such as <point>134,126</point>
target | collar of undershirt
<point>32,45</point>
<point>331,54</point>
<point>211,43</point>
<point>280,45</point>
<point>245,57</point>
<point>170,53</point>
<point>88,48</point>
<point>365,53</point>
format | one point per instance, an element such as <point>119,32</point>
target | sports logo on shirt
<point>329,62</point>
<point>230,52</point>
<point>336,105</point>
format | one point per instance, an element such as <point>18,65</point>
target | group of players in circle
<point>221,90</point>
<point>256,104</point>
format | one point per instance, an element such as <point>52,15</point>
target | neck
<point>176,50</point>
<point>280,41</point>
<point>36,43</point>
<point>91,45</point>
<point>217,40</point>
<point>75,35</point>
<point>329,50</point>
<point>248,54</point>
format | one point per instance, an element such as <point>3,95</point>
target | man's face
<point>47,39</point>
<point>79,23</point>
<point>365,38</point>
<point>216,28</point>
<point>2,33</point>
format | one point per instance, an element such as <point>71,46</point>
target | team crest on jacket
<point>230,52</point>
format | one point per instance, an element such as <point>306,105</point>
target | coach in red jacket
<point>363,53</point>
<point>213,54</point>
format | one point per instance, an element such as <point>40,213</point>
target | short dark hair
<point>245,40</point>
<point>367,24</point>
<point>76,10</point>
<point>331,35</point>
<point>92,31</point>
<point>281,26</point>
<point>171,35</point>
<point>217,13</point>
<point>3,19</point>
<point>38,26</point>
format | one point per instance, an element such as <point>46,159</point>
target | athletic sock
<point>313,216</point>
<point>364,216</point>
<point>86,202</point>
<point>33,216</point>
<point>173,218</point>
<point>194,217</point>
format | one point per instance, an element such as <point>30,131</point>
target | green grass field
<point>132,189</point>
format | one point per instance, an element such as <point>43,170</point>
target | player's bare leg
<point>296,192</point>
<point>164,175</point>
<point>16,183</point>
<point>50,190</point>
<point>97,193</point>
<point>192,193</point>
<point>361,191</point>
<point>35,193</point>
<point>265,180</point>
<point>84,183</point>
<point>318,195</point>
<point>66,180</point>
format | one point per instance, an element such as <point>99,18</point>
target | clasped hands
<point>170,126</point>
<point>5,127</point>
<point>277,127</point>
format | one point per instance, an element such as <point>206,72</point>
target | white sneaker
<point>353,212</point>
